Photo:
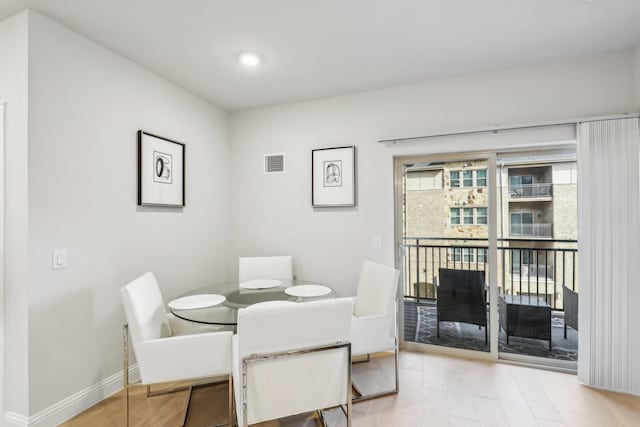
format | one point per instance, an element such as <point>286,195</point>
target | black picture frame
<point>161,171</point>
<point>333,177</point>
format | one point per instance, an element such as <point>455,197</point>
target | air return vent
<point>274,163</point>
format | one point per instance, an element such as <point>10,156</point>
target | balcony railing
<point>530,191</point>
<point>535,270</point>
<point>523,268</point>
<point>531,230</point>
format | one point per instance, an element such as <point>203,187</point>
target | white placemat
<point>260,284</point>
<point>307,290</point>
<point>270,304</point>
<point>196,301</point>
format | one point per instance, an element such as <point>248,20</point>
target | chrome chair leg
<point>185,414</point>
<point>170,390</point>
<point>362,397</point>
<point>355,388</point>
<point>322,419</point>
<point>368,359</point>
<point>125,373</point>
<point>231,420</point>
<point>349,384</point>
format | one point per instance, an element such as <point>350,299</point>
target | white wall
<point>73,185</point>
<point>636,56</point>
<point>86,104</point>
<point>329,245</point>
<point>13,92</point>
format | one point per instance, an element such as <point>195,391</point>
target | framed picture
<point>333,177</point>
<point>160,171</point>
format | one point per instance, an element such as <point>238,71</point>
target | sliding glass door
<point>496,224</point>
<point>537,256</point>
<point>445,234</point>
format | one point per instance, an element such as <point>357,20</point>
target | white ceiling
<point>320,48</point>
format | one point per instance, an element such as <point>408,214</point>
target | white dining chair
<point>374,318</point>
<point>270,267</point>
<point>292,359</point>
<point>163,355</point>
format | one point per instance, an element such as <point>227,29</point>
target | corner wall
<point>86,104</point>
<point>329,245</point>
<point>14,92</point>
<point>636,57</point>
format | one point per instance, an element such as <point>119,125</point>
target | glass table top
<point>237,297</point>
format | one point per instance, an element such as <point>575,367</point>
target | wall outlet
<point>59,259</point>
<point>376,243</point>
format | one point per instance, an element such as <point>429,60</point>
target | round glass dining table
<point>236,297</point>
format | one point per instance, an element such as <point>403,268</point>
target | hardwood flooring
<point>208,407</point>
<point>435,390</point>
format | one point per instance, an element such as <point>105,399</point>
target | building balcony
<point>542,274</point>
<point>531,192</point>
<point>540,278</point>
<point>536,271</point>
<point>544,231</point>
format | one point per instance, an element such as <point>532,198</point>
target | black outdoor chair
<point>462,298</point>
<point>570,302</point>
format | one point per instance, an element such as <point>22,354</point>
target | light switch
<point>59,259</point>
<point>376,243</point>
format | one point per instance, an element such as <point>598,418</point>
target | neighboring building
<point>447,205</point>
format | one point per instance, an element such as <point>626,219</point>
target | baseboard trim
<point>14,419</point>
<point>73,405</point>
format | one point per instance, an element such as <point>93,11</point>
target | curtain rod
<point>496,129</point>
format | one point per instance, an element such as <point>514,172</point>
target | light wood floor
<point>434,391</point>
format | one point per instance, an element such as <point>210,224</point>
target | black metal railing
<point>522,191</point>
<point>525,267</point>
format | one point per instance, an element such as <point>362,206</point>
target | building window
<point>478,255</point>
<point>468,216</point>
<point>481,178</point>
<point>481,216</point>
<point>470,178</point>
<point>521,186</point>
<point>467,178</point>
<point>468,255</point>
<point>522,224</point>
<point>455,254</point>
<point>522,259</point>
<point>455,216</point>
<point>454,179</point>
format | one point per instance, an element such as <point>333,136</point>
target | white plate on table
<point>192,302</point>
<point>260,284</point>
<point>307,290</point>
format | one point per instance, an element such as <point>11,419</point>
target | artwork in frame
<point>333,177</point>
<point>161,166</point>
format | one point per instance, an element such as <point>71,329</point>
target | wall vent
<point>274,163</point>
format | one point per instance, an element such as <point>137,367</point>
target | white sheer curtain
<point>609,258</point>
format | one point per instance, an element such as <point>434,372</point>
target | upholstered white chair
<point>291,359</point>
<point>269,267</point>
<point>162,355</point>
<point>373,326</point>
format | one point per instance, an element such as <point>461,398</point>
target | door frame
<point>3,109</point>
<point>492,263</point>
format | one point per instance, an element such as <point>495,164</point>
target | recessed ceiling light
<point>250,59</point>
